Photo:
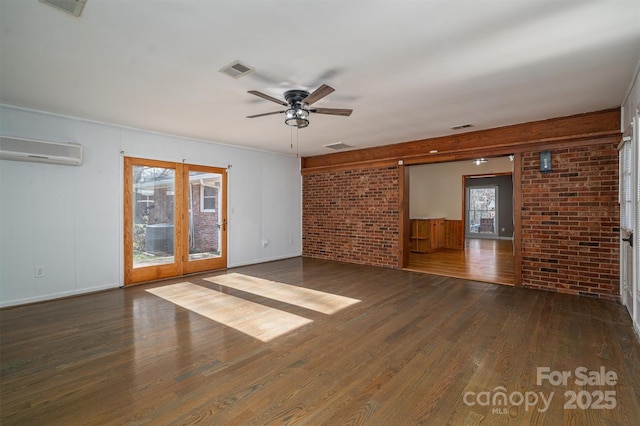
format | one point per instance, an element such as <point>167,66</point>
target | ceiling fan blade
<point>318,94</point>
<point>265,113</point>
<point>267,97</point>
<point>332,111</point>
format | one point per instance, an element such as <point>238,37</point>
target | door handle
<point>224,224</point>
<point>630,239</point>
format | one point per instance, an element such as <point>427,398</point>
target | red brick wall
<point>352,216</point>
<point>570,220</point>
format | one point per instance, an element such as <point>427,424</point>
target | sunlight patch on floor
<point>256,320</point>
<point>315,300</point>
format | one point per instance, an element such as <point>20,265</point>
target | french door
<point>630,221</point>
<point>175,220</point>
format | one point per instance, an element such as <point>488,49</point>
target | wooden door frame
<point>404,222</point>
<point>517,218</point>
<point>190,266</point>
<point>180,266</point>
<point>131,275</point>
<point>464,196</point>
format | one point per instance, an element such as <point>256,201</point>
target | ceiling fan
<point>298,102</point>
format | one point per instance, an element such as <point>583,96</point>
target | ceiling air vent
<point>72,7</point>
<point>236,69</point>
<point>337,146</point>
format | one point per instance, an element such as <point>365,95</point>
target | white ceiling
<point>410,69</point>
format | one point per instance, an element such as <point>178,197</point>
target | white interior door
<point>630,222</point>
<point>635,276</point>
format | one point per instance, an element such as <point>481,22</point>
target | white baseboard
<point>54,296</point>
<point>262,260</point>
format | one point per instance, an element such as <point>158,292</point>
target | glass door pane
<point>151,223</point>
<point>481,211</point>
<point>206,224</point>
<point>205,220</point>
<point>153,216</point>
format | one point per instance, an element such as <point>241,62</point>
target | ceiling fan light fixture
<point>296,117</point>
<point>298,103</point>
<point>297,122</point>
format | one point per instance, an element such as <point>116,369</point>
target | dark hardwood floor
<point>398,348</point>
<point>483,260</point>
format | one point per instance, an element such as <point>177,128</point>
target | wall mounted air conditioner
<point>40,151</point>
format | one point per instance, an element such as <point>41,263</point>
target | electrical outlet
<point>39,271</point>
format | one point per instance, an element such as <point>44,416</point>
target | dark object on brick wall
<point>545,162</point>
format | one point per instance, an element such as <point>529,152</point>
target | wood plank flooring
<point>481,260</point>
<point>413,349</point>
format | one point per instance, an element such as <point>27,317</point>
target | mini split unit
<point>40,151</point>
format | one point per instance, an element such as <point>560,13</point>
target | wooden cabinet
<point>454,234</point>
<point>437,234</point>
<point>427,235</point>
<point>420,235</point>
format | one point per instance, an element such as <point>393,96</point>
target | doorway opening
<point>474,223</point>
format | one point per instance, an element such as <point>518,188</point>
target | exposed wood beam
<point>555,132</point>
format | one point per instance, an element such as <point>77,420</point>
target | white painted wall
<point>435,190</point>
<point>69,219</point>
<point>632,101</point>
